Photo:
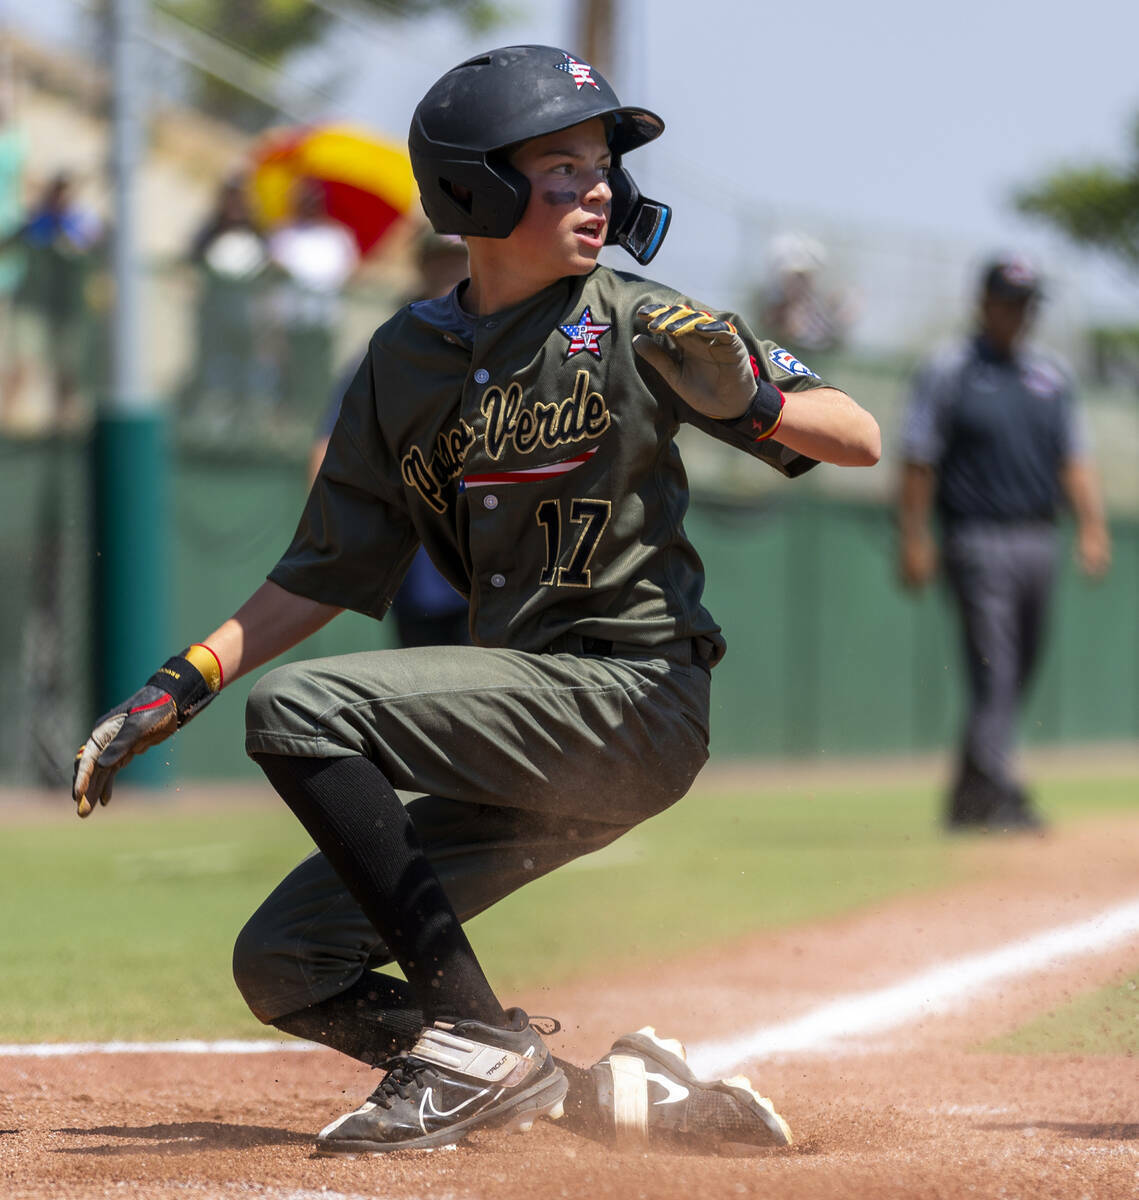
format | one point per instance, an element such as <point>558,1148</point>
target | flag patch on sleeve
<point>789,364</point>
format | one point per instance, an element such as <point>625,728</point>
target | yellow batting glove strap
<point>678,320</point>
<point>205,662</point>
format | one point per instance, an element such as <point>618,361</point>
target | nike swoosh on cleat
<point>427,1104</point>
<point>674,1092</point>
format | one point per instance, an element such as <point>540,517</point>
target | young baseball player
<point>521,429</point>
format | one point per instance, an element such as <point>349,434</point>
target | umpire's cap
<point>1011,279</point>
<point>464,128</point>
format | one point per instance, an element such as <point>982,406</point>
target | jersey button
<point>482,375</point>
<point>490,502</point>
<point>489,324</point>
<point>497,580</point>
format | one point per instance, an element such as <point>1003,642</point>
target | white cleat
<point>651,1096</point>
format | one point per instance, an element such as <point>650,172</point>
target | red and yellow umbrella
<point>366,180</point>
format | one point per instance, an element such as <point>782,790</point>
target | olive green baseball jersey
<point>536,463</point>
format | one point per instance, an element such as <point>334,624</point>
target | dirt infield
<point>917,1111</point>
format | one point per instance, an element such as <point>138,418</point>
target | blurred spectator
<point>427,609</point>
<point>441,262</point>
<point>60,238</point>
<point>13,154</point>
<point>993,440</point>
<point>1115,355</point>
<point>227,242</point>
<point>314,257</point>
<point>796,310</point>
<point>230,370</point>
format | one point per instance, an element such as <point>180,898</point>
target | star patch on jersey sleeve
<point>584,334</point>
<point>582,73</point>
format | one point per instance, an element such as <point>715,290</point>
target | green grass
<point>1105,1021</point>
<point>1065,798</point>
<point>121,926</point>
<point>715,867</point>
<point>1101,1022</point>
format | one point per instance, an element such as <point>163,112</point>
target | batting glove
<point>701,358</point>
<point>179,689</point>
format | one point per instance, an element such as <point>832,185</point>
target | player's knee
<point>253,972</point>
<point>293,710</point>
<point>277,700</point>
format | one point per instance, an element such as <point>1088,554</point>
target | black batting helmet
<point>463,128</point>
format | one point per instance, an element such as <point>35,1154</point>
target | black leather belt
<point>700,651</point>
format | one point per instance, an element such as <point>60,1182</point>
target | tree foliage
<point>267,31</point>
<point>1096,206</point>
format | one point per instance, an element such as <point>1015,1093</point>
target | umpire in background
<point>993,440</point>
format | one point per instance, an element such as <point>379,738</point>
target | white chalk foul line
<point>57,1049</point>
<point>857,1015</point>
<point>933,991</point>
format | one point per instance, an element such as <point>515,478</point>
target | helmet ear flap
<point>476,199</point>
<point>515,193</point>
<point>636,223</point>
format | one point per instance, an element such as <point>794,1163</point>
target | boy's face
<point>567,217</point>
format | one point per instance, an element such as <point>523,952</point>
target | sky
<point>894,132</point>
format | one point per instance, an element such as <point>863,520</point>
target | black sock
<point>357,821</point>
<point>377,1017</point>
<point>370,1021</point>
<point>583,1114</point>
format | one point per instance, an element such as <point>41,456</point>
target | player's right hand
<point>179,689</point>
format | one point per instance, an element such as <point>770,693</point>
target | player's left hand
<point>703,359</point>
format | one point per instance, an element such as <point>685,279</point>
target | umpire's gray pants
<point>1001,576</point>
<point>526,760</point>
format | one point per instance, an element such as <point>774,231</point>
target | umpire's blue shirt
<point>996,429</point>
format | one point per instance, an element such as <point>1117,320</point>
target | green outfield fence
<point>826,654</point>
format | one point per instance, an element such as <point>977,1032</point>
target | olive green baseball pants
<point>521,762</point>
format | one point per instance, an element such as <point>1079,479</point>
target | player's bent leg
<point>647,1095</point>
<point>308,940</point>
<point>456,1078</point>
<point>304,960</point>
<point>581,743</point>
<point>356,819</point>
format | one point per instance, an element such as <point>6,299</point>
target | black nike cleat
<point>650,1097</point>
<point>455,1079</point>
